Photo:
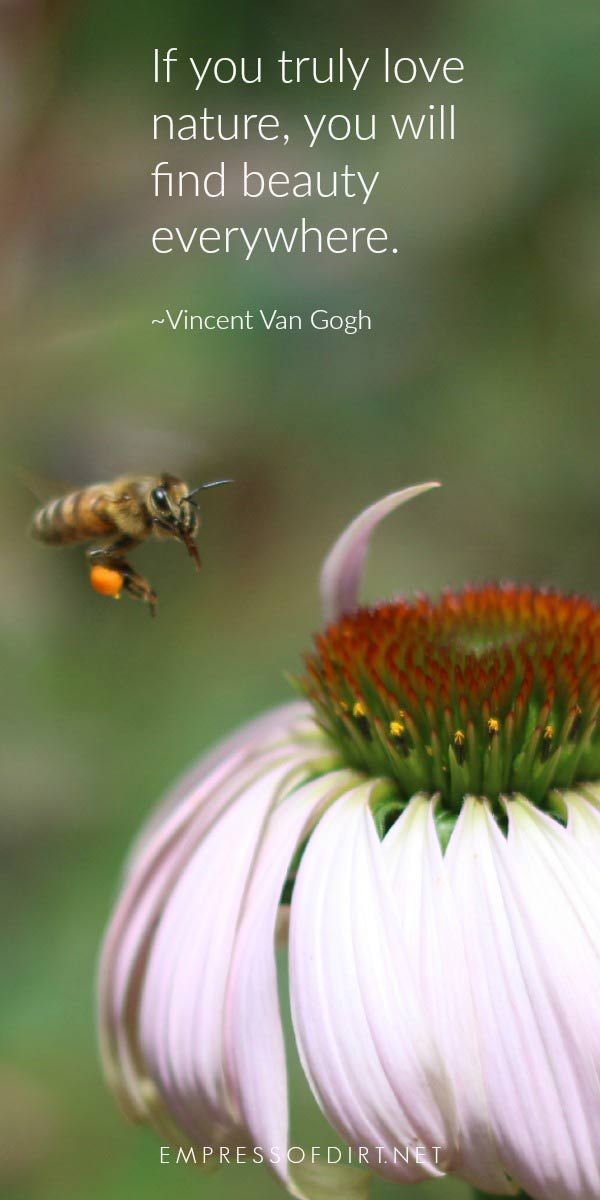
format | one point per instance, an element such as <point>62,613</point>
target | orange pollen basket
<point>106,581</point>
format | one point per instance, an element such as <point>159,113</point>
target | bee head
<point>174,510</point>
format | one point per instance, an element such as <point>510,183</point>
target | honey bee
<point>123,514</point>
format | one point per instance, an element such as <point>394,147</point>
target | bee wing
<point>45,489</point>
<point>40,487</point>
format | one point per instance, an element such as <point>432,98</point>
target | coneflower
<point>430,813</point>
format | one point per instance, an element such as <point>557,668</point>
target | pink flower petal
<point>132,927</point>
<point>535,982</point>
<point>185,985</point>
<point>128,941</point>
<point>153,871</point>
<point>342,569</point>
<point>257,1074</point>
<point>430,924</point>
<point>358,1015</point>
<point>255,737</point>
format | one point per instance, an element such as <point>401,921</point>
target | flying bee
<point>122,514</point>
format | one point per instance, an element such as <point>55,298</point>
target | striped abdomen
<point>76,517</point>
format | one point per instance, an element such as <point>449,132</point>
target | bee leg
<point>136,585</point>
<point>112,556</point>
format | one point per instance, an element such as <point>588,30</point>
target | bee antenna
<point>203,486</point>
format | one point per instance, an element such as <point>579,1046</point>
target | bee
<point>121,515</point>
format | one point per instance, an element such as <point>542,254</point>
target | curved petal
<point>342,569</point>
<point>362,1035</point>
<point>257,1075</point>
<point>126,941</point>
<point>153,872</point>
<point>185,983</point>
<point>132,928</point>
<point>431,926</point>
<point>536,990</point>
<point>583,810</point>
<point>286,721</point>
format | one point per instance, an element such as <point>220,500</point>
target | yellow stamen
<point>549,733</point>
<point>493,726</point>
<point>459,738</point>
<point>396,729</point>
<point>358,710</point>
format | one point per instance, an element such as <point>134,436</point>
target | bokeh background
<point>482,371</point>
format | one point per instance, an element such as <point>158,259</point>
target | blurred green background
<point>481,370</point>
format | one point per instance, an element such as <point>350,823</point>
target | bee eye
<point>160,499</point>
